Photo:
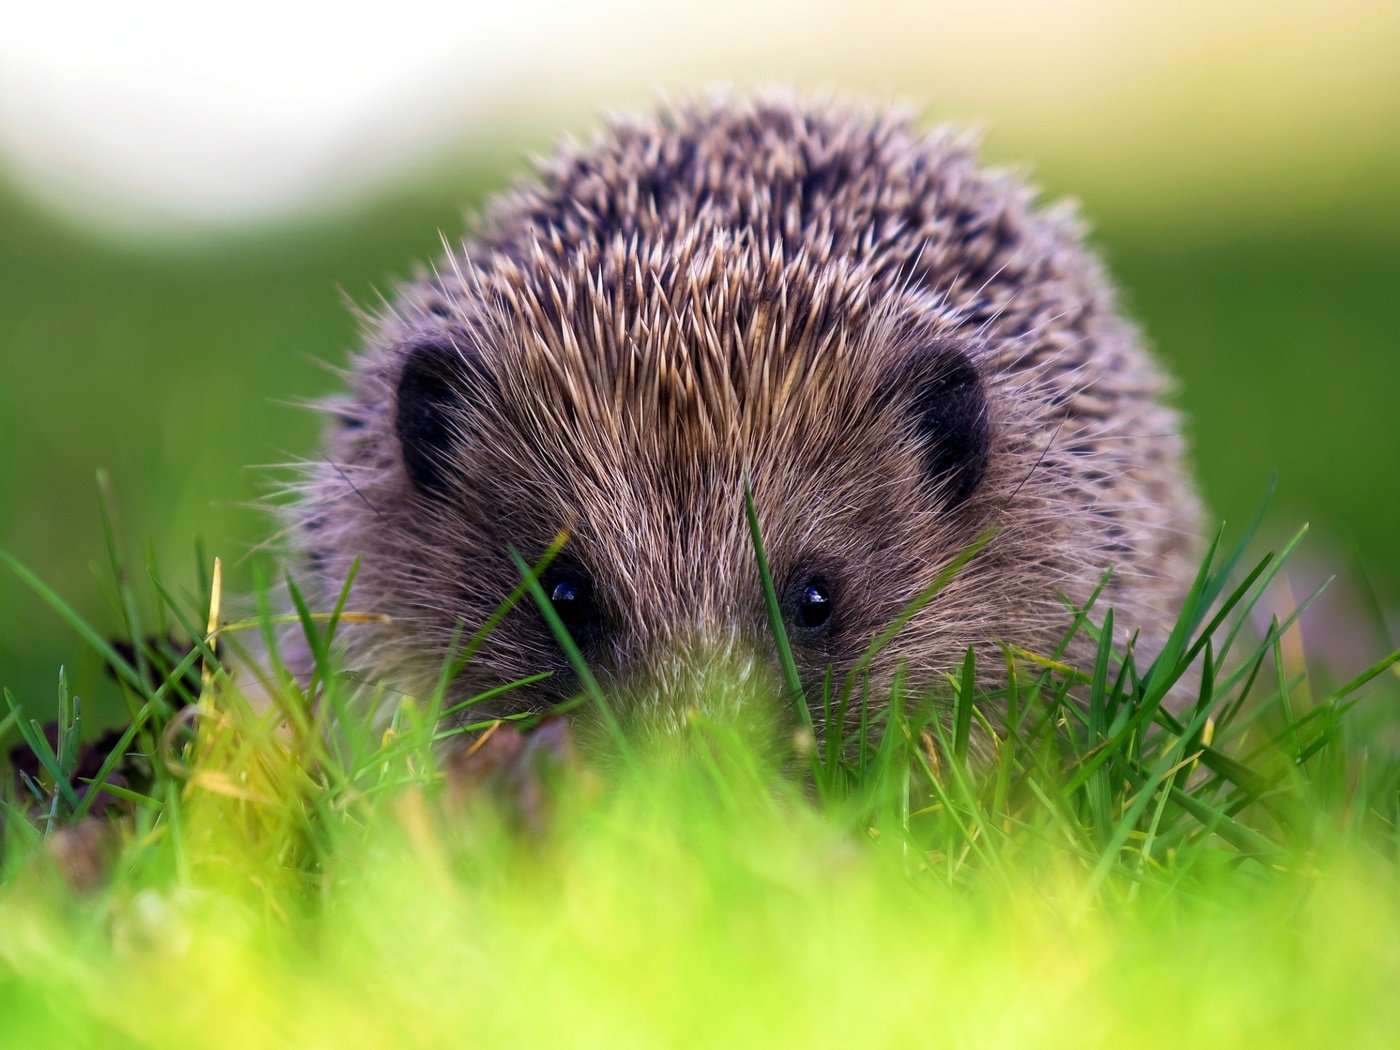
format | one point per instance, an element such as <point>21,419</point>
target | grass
<point>1088,872</point>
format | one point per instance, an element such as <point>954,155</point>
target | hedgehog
<point>898,355</point>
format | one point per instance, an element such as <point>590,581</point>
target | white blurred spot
<point>157,113</point>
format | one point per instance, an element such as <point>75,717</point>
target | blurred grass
<point>171,365</point>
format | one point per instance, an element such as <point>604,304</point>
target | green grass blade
<point>796,693</point>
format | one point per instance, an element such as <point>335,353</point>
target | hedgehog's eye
<point>572,598</point>
<point>810,605</point>
<point>573,601</point>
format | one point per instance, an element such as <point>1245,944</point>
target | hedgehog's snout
<point>709,682</point>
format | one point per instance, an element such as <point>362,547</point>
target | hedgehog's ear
<point>435,377</point>
<point>943,392</point>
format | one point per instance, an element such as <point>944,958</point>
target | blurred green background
<point>1240,176</point>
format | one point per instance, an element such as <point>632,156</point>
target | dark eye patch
<point>437,381</point>
<point>948,402</point>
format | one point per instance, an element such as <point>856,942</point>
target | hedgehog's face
<point>866,471</point>
<point>893,346</point>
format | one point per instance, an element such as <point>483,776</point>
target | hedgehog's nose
<point>700,686</point>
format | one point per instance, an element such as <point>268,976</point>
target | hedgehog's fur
<point>898,348</point>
